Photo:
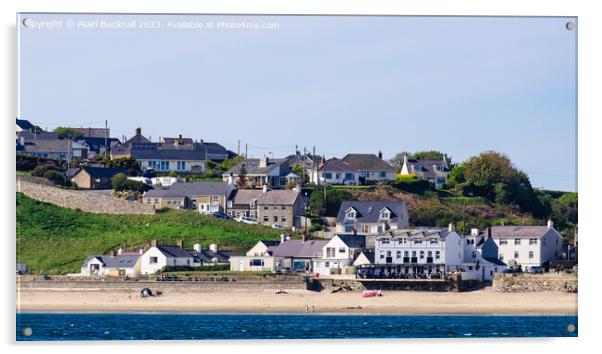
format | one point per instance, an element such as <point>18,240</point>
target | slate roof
<point>181,190</point>
<point>31,137</point>
<point>96,143</point>
<point>169,154</point>
<point>24,124</point>
<point>102,171</point>
<point>184,141</point>
<point>252,167</point>
<point>52,145</point>
<point>300,249</point>
<point>368,210</point>
<point>369,255</point>
<point>174,251</point>
<point>495,261</point>
<point>353,241</point>
<point>427,167</point>
<point>119,261</point>
<point>519,231</point>
<point>278,197</point>
<point>419,232</point>
<point>367,162</point>
<point>245,196</point>
<point>336,165</point>
<point>137,139</point>
<point>208,256</point>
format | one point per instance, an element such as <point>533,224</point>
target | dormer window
<point>385,214</point>
<point>350,214</point>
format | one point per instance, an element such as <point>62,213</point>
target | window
<point>556,241</point>
<point>398,254</point>
<point>266,219</point>
<point>437,254</point>
<point>388,253</point>
<point>421,254</point>
<point>350,214</point>
<point>517,241</point>
<point>515,254</point>
<point>383,174</point>
<point>406,253</point>
<point>348,176</point>
<point>385,241</point>
<point>385,214</point>
<point>342,249</point>
<point>283,218</point>
<point>434,241</point>
<point>413,253</point>
<point>326,264</point>
<point>256,262</point>
<point>503,242</point>
<point>429,254</point>
<point>530,254</point>
<point>532,241</point>
<point>284,207</point>
<point>327,175</point>
<point>188,261</point>
<point>153,260</point>
<point>417,241</point>
<point>330,252</point>
<point>265,207</point>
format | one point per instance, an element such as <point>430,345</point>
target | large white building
<point>527,245</point>
<point>338,255</point>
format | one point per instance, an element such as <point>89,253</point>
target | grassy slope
<point>55,240</point>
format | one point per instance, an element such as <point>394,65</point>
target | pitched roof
<point>246,196</point>
<point>367,162</point>
<point>102,171</point>
<point>252,167</point>
<point>168,154</point>
<point>185,141</point>
<point>119,261</point>
<point>298,248</point>
<point>427,167</point>
<point>181,190</point>
<point>353,241</point>
<point>137,139</point>
<point>421,231</point>
<point>269,243</point>
<point>208,256</point>
<point>24,124</point>
<point>368,211</point>
<point>495,261</point>
<point>174,251</point>
<point>278,197</point>
<point>96,143</point>
<point>519,231</point>
<point>52,145</point>
<point>31,137</point>
<point>335,164</point>
<point>369,254</point>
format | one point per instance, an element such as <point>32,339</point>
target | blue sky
<point>343,84</point>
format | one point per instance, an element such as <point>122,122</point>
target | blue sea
<point>141,326</point>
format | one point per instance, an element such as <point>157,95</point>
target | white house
<point>123,264</point>
<point>159,256</point>
<point>371,217</point>
<point>436,171</point>
<point>335,171</point>
<point>420,250</point>
<point>481,256</point>
<point>258,258</point>
<point>527,245</point>
<point>338,255</point>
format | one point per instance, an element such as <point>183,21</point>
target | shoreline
<point>484,302</point>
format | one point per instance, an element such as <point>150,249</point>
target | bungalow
<point>96,177</point>
<point>527,245</point>
<point>335,171</point>
<point>260,172</point>
<point>371,168</point>
<point>206,196</point>
<point>436,171</point>
<point>371,217</point>
<point>258,258</point>
<point>159,256</point>
<point>59,149</point>
<point>338,255</point>
<point>123,264</point>
<point>297,255</point>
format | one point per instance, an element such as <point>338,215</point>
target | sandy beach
<point>484,301</point>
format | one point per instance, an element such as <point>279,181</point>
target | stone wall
<point>85,201</point>
<point>534,283</point>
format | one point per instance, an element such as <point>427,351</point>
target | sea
<point>171,326</point>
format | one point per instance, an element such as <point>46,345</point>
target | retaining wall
<point>513,283</point>
<point>88,202</point>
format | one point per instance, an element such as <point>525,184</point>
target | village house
<point>96,145</point>
<point>338,255</point>
<point>258,258</point>
<point>44,145</point>
<point>371,168</point>
<point>24,125</point>
<point>159,256</point>
<point>371,217</point>
<point>419,251</point>
<point>243,203</point>
<point>88,177</point>
<point>282,208</point>
<point>335,171</point>
<point>123,264</point>
<point>206,196</point>
<point>297,255</point>
<point>260,172</point>
<point>435,171</point>
<point>527,245</point>
<point>481,255</point>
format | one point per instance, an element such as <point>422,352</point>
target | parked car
<point>219,215</point>
<point>277,226</point>
<point>535,270</point>
<point>247,220</point>
<point>509,271</point>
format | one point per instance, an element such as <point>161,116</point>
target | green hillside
<point>55,240</point>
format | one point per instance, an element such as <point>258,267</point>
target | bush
<point>419,186</point>
<point>28,163</point>
<point>117,181</point>
<point>41,170</point>
<point>135,186</point>
<point>55,177</point>
<point>406,178</point>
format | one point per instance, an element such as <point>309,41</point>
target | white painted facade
<point>197,166</point>
<point>349,178</point>
<point>95,267</point>
<point>336,257</point>
<point>153,260</point>
<point>530,251</point>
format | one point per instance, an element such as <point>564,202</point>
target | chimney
<point>264,161</point>
<point>154,243</point>
<point>138,131</point>
<point>451,227</point>
<point>474,232</point>
<point>213,247</point>
<point>282,238</point>
<point>265,188</point>
<point>550,224</point>
<point>197,247</point>
<point>181,243</point>
<point>380,154</point>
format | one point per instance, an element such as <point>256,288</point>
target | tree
<point>128,163</point>
<point>397,160</point>
<point>117,180</point>
<point>327,202</point>
<point>55,177</point>
<point>456,175</point>
<point>430,155</point>
<point>69,133</point>
<point>41,170</point>
<point>299,171</point>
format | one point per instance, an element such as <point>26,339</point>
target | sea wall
<point>200,284</point>
<point>514,283</point>
<point>84,201</point>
